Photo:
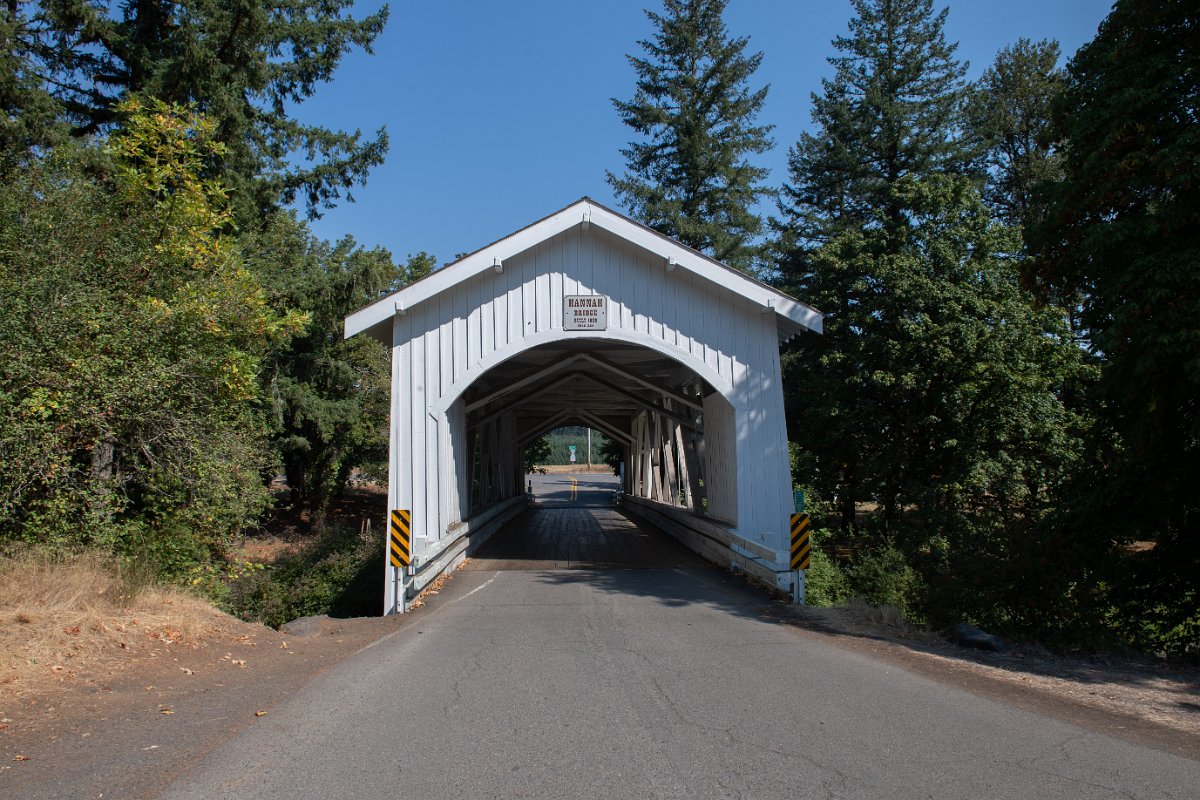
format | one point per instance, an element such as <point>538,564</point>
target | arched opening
<point>676,431</point>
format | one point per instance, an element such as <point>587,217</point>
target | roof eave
<point>374,319</point>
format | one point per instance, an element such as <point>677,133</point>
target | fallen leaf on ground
<point>260,713</point>
<point>20,758</point>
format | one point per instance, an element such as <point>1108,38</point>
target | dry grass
<point>63,620</point>
<point>882,616</point>
<point>577,469</point>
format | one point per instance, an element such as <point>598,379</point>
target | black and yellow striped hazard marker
<point>400,540</point>
<point>800,547</point>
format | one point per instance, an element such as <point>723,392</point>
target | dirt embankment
<point>110,692</point>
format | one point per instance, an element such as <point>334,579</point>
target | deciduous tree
<point>1121,231</point>
<point>129,348</point>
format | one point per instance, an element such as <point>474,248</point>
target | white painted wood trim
<point>798,314</point>
<point>626,335</point>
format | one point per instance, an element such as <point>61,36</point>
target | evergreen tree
<point>888,116</point>
<point>245,65</point>
<point>690,178</point>
<point>935,390</point>
<point>28,114</point>
<point>1121,231</point>
<point>891,111</point>
<point>329,394</point>
<point>1008,112</point>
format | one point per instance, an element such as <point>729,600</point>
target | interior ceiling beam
<point>556,420</point>
<point>609,430</point>
<point>538,394</point>
<point>600,361</point>
<point>533,377</point>
<point>529,397</point>
<point>567,416</point>
<point>683,420</point>
<point>594,421</point>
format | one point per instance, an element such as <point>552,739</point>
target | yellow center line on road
<point>574,487</point>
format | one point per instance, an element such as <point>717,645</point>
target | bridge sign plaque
<point>585,312</point>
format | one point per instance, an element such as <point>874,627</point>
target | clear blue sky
<point>499,112</point>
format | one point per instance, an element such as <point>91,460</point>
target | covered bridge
<point>588,318</point>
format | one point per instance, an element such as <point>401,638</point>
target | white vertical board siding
<point>443,345</point>
<point>721,459</point>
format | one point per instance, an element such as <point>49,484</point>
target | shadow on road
<point>608,551</point>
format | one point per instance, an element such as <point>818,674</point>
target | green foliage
<point>561,439</point>
<point>936,393</point>
<point>536,454</point>
<point>612,453</point>
<point>690,177</point>
<point>883,576</point>
<point>1121,236</point>
<point>129,349</point>
<point>246,65</point>
<point>825,583</point>
<point>1008,112</point>
<point>28,114</point>
<point>890,113</point>
<point>329,395</point>
<point>337,574</point>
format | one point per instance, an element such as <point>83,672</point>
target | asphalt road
<point>656,682</point>
<point>573,490</point>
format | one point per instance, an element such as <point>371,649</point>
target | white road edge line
<point>443,605</point>
<point>468,594</point>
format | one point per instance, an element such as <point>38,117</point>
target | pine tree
<point>934,390</point>
<point>244,65</point>
<point>888,116</point>
<point>1008,112</point>
<point>891,111</point>
<point>690,178</point>
<point>27,112</point>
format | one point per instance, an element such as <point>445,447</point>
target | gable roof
<point>791,315</point>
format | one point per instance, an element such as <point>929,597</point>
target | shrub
<point>825,584</point>
<point>337,574</point>
<point>882,576</point>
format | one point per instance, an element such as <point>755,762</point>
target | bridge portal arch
<point>587,317</point>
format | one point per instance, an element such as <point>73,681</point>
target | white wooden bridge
<point>588,318</point>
